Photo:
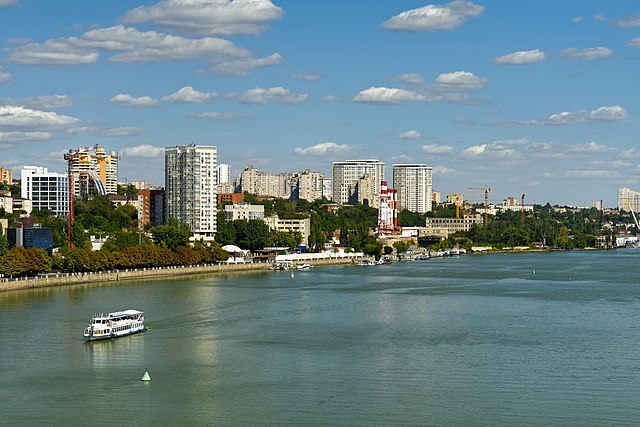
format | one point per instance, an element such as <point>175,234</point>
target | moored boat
<point>116,324</point>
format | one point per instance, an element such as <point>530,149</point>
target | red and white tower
<point>388,212</point>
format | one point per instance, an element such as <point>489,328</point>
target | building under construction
<point>94,171</point>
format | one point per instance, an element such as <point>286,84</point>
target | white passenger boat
<point>116,324</point>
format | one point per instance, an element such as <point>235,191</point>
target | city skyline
<point>530,98</point>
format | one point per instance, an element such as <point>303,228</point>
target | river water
<point>501,339</point>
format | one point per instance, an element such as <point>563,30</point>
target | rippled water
<point>515,339</point>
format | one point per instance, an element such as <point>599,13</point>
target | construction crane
<point>486,201</point>
<point>522,207</point>
<point>458,200</point>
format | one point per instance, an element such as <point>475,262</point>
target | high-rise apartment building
<point>414,185</point>
<point>628,200</point>
<point>151,207</point>
<point>308,185</point>
<point>190,185</point>
<point>261,183</point>
<point>46,190</point>
<point>224,174</point>
<point>357,181</point>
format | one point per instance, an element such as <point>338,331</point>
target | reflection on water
<point>128,350</point>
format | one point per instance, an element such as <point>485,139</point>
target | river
<point>501,339</point>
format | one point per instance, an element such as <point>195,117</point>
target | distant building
<point>28,238</point>
<point>94,172</point>
<point>303,226</point>
<point>151,207</point>
<point>628,200</point>
<point>443,227</point>
<point>224,174</point>
<point>6,176</point>
<point>190,184</point>
<point>508,205</point>
<point>357,181</point>
<point>414,185</point>
<point>240,211</point>
<point>261,183</point>
<point>308,185</point>
<point>230,198</point>
<point>46,190</point>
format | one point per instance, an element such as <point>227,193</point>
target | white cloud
<point>631,153</point>
<point>521,57</point>
<point>631,22</point>
<point>434,17</point>
<point>460,80</point>
<point>207,17</point>
<point>126,99</point>
<point>410,134</point>
<point>590,147</point>
<point>262,96</point>
<point>511,149</point>
<point>584,173</point>
<point>437,149</point>
<point>221,116</point>
<point>129,44</point>
<point>412,78</point>
<point>4,76</point>
<point>331,98</point>
<point>608,114</point>
<point>307,77</point>
<point>17,136</point>
<point>122,131</point>
<point>577,19</point>
<point>588,54</point>
<point>143,150</point>
<point>385,95</point>
<point>324,148</point>
<point>52,53</point>
<point>188,95</point>
<point>243,66</point>
<point>4,3</point>
<point>605,114</point>
<point>444,171</point>
<point>40,102</point>
<point>634,42</point>
<point>12,117</point>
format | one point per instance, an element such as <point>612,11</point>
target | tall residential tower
<point>357,181</point>
<point>190,183</point>
<point>414,185</point>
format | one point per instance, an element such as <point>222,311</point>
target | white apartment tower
<point>190,183</point>
<point>628,200</point>
<point>224,174</point>
<point>46,190</point>
<point>414,185</point>
<point>308,185</point>
<point>349,177</point>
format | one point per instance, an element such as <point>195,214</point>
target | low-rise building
<point>240,211</point>
<point>443,227</point>
<point>303,226</point>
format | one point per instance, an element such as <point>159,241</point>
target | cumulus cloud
<point>434,17</point>
<point>126,99</point>
<point>460,80</point>
<point>122,131</point>
<point>634,42</point>
<point>386,95</point>
<point>129,44</point>
<point>590,147</point>
<point>521,57</point>
<point>410,134</point>
<point>324,148</point>
<point>261,96</point>
<point>143,150</point>
<point>212,115</point>
<point>587,54</point>
<point>41,102</point>
<point>437,149</point>
<point>244,66</point>
<point>17,136</point>
<point>412,78</point>
<point>444,171</point>
<point>188,95</point>
<point>631,153</point>
<point>630,22</point>
<point>207,17</point>
<point>512,149</point>
<point>15,117</point>
<point>605,114</point>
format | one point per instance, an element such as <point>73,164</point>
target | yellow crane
<point>486,201</point>
<point>458,200</point>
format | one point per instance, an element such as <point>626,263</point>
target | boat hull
<point>113,335</point>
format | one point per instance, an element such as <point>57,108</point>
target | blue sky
<point>535,97</point>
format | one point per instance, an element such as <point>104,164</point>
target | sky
<point>525,97</point>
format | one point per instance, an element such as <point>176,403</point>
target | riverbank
<point>106,277</point>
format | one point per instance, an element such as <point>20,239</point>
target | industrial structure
<point>388,210</point>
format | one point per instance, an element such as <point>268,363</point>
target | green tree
<point>284,239</point>
<point>172,235</point>
<point>251,234</point>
